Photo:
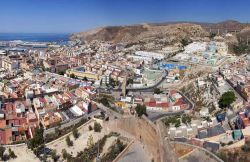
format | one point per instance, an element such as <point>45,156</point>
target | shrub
<point>54,156</point>
<point>227,99</point>
<point>76,133</point>
<point>97,127</point>
<point>90,128</point>
<point>37,140</point>
<point>64,154</point>
<point>141,110</point>
<point>69,142</point>
<point>115,150</point>
<point>12,154</point>
<point>104,101</point>
<point>2,150</point>
<point>157,91</point>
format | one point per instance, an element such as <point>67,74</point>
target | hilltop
<point>142,33</point>
<point>169,31</point>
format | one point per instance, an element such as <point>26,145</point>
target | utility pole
<point>247,40</point>
<point>98,158</point>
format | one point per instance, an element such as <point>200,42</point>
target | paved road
<point>135,153</point>
<point>145,89</point>
<point>212,157</point>
<point>72,122</point>
<point>110,112</point>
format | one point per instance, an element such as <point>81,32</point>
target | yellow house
<point>121,104</point>
<point>80,74</point>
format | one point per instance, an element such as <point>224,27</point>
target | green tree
<point>226,99</point>
<point>37,140</point>
<point>72,76</point>
<point>57,131</point>
<point>2,150</point>
<point>76,133</point>
<point>104,101</point>
<point>141,110</point>
<point>61,73</point>
<point>212,35</point>
<point>157,91</point>
<point>64,154</point>
<point>90,128</point>
<point>114,151</point>
<point>54,156</point>
<point>68,141</point>
<point>185,42</point>
<point>85,79</point>
<point>12,154</point>
<point>97,127</point>
<point>130,81</point>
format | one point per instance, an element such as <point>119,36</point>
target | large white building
<point>140,58</point>
<point>10,65</point>
<point>195,47</point>
<point>153,55</point>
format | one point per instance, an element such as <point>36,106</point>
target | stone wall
<point>152,136</point>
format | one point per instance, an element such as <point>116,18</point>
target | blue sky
<point>67,16</point>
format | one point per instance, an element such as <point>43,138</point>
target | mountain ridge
<point>174,31</point>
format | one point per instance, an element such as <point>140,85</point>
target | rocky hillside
<point>143,33</point>
<point>165,32</point>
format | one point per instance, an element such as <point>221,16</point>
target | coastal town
<point>124,81</point>
<point>57,87</point>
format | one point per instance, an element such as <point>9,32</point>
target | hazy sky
<point>67,16</point>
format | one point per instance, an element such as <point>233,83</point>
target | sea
<point>35,37</point>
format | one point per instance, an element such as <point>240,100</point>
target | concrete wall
<point>143,130</point>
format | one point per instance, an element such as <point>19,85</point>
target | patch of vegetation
<point>113,82</point>
<point>130,81</point>
<point>141,110</point>
<point>157,91</point>
<point>104,101</point>
<point>12,154</point>
<point>61,73</point>
<point>207,118</point>
<point>174,120</point>
<point>97,127</point>
<point>89,153</point>
<point>234,156</point>
<point>212,35</point>
<point>2,150</point>
<point>90,128</point>
<point>186,119</point>
<point>69,142</point>
<point>37,140</point>
<point>72,76</point>
<point>85,79</point>
<point>240,49</point>
<point>76,134</point>
<point>185,42</point>
<point>114,151</point>
<point>61,132</point>
<point>55,157</point>
<point>226,99</point>
<point>6,157</point>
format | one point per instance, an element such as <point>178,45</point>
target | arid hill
<point>143,33</point>
<point>169,31</point>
